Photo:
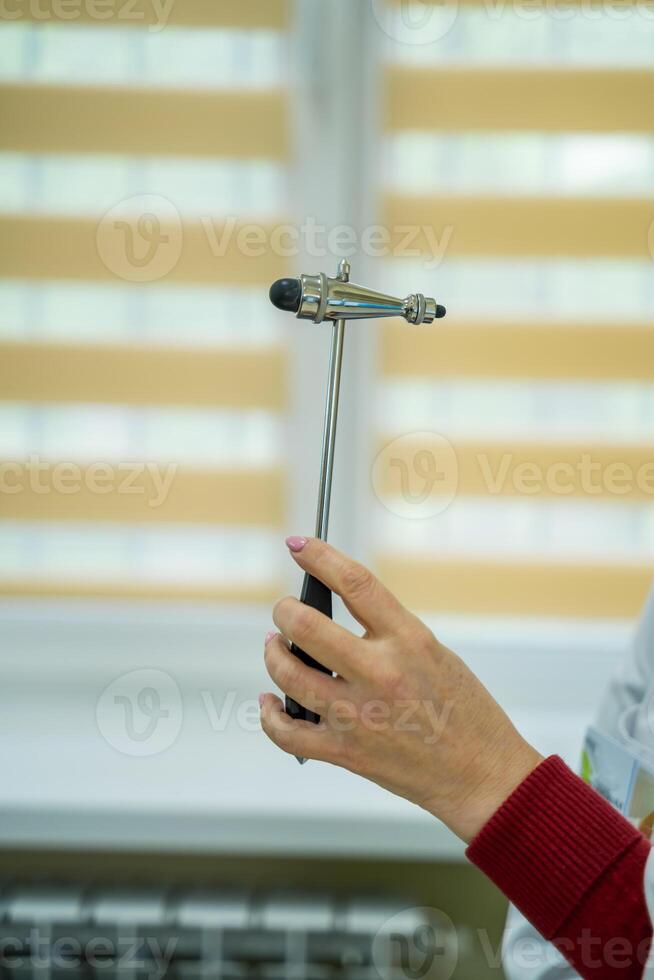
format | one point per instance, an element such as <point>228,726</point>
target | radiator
<point>50,933</point>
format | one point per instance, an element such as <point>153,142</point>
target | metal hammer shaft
<point>331,419</point>
<point>314,593</point>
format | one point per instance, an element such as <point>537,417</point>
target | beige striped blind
<point>142,373</point>
<point>524,145</point>
<point>145,160</point>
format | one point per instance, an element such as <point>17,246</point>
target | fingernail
<point>261,700</point>
<point>295,543</point>
<point>269,636</point>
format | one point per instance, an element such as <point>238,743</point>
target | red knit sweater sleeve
<point>575,868</point>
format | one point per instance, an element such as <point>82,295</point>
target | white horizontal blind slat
<point>88,557</point>
<point>426,162</point>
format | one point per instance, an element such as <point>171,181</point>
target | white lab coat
<point>627,709</point>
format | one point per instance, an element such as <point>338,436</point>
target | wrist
<point>498,787</point>
<point>480,796</point>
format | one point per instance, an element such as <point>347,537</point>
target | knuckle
<point>303,623</point>
<point>282,739</point>
<point>284,668</point>
<point>424,643</point>
<point>270,730</point>
<point>276,729</point>
<point>271,661</point>
<point>391,679</point>
<point>291,674</point>
<point>281,610</point>
<point>357,579</point>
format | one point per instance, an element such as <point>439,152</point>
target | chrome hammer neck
<point>331,416</point>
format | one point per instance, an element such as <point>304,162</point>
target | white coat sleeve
<point>526,955</point>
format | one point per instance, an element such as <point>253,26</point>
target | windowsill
<point>219,786</point>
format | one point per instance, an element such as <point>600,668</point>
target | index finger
<point>368,600</point>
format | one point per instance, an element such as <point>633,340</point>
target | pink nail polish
<point>261,700</point>
<point>295,543</point>
<point>269,636</point>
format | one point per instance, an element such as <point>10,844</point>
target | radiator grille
<point>52,933</point>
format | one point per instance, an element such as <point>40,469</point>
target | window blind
<point>142,128</point>
<point>524,142</point>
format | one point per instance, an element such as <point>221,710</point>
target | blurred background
<point>161,163</point>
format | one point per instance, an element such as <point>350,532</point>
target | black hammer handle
<point>319,597</point>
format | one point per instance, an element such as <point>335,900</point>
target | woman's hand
<point>404,711</point>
